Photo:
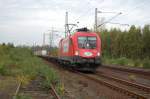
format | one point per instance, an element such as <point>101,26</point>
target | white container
<point>44,52</point>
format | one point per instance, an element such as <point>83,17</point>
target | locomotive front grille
<point>81,60</point>
<point>88,60</point>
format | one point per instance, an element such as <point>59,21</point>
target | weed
<point>22,96</point>
<point>22,64</point>
<point>49,75</point>
<point>146,63</point>
<point>60,89</point>
<point>2,69</point>
<point>132,77</point>
<point>137,63</point>
<point>23,79</point>
<point>127,62</point>
<point>122,61</point>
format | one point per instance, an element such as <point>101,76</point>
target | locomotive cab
<point>87,49</point>
<point>82,49</point>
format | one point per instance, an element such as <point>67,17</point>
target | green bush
<point>22,64</point>
<point>2,69</point>
<point>22,96</point>
<point>122,61</point>
<point>49,75</point>
<point>118,61</point>
<point>128,62</point>
<point>146,63</point>
<point>137,63</point>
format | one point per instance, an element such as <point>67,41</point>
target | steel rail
<point>114,87</point>
<point>108,84</point>
<point>54,92</point>
<point>139,86</point>
<point>17,90</point>
<point>126,69</point>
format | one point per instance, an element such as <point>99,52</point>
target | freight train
<point>81,50</point>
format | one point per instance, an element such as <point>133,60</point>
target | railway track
<point>129,83</point>
<point>128,69</point>
<point>35,91</point>
<point>115,86</point>
<point>131,89</point>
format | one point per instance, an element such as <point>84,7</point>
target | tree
<point>146,40</point>
<point>134,42</point>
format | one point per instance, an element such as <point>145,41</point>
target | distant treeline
<point>134,43</point>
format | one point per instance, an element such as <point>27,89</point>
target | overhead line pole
<point>66,24</point>
<point>44,34</point>
<point>51,36</point>
<point>43,39</point>
<point>67,28</point>
<point>95,19</point>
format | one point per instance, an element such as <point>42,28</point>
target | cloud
<point>26,20</point>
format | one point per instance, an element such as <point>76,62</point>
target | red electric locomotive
<point>81,50</point>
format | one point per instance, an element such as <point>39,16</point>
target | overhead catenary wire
<point>118,23</point>
<point>135,7</point>
<point>87,12</point>
<point>131,12</point>
<point>109,19</point>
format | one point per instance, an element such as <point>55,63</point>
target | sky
<point>25,21</point>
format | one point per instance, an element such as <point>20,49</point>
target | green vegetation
<point>22,96</point>
<point>24,66</point>
<point>130,47</point>
<point>124,61</point>
<point>54,51</point>
<point>146,63</point>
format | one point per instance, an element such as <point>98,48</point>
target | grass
<point>146,63</point>
<point>132,77</point>
<point>22,96</point>
<point>142,63</point>
<point>22,64</point>
<point>7,83</point>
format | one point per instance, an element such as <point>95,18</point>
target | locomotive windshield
<point>87,42</point>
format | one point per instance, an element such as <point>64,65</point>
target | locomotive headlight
<point>98,54</point>
<point>76,53</point>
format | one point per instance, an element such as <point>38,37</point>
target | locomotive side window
<point>87,42</point>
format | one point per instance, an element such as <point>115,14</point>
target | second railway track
<point>125,89</point>
<point>35,91</point>
<point>140,71</point>
<point>129,83</point>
